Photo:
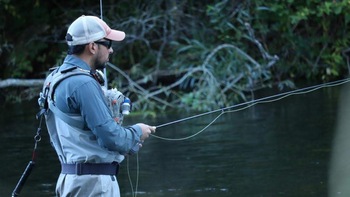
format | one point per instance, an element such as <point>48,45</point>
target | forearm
<point>117,138</point>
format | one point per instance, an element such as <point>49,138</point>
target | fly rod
<point>256,101</point>
<point>104,69</point>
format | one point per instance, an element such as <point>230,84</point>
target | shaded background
<point>232,43</point>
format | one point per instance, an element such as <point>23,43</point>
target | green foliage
<point>309,35</point>
<point>202,54</point>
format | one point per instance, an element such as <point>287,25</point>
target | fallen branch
<point>21,83</point>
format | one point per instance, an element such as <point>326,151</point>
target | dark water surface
<point>275,149</point>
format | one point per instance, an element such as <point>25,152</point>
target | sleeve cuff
<point>137,130</point>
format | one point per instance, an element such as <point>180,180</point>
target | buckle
<point>78,168</point>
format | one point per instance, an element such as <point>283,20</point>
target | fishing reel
<point>119,104</point>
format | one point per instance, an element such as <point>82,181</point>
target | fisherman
<point>89,143</point>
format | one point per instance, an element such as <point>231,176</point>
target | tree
<point>180,53</point>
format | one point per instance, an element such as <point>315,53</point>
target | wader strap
<point>91,168</point>
<point>72,120</point>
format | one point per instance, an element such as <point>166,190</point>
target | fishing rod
<point>261,100</point>
<point>104,69</point>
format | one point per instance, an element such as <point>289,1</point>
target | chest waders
<point>50,84</point>
<point>118,103</point>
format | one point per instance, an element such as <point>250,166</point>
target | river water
<point>281,148</point>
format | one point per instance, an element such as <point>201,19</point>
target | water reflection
<point>275,149</point>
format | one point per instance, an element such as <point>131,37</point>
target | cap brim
<point>116,35</point>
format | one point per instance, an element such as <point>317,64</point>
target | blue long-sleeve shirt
<point>83,95</point>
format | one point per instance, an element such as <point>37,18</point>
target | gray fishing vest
<point>72,140</point>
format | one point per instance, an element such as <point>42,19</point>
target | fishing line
<point>231,109</point>
<point>134,193</point>
<point>191,136</point>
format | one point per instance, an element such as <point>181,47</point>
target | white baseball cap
<point>86,29</point>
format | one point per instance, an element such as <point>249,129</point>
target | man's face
<point>102,56</point>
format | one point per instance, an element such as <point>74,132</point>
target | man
<point>89,154</point>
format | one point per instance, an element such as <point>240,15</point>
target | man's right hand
<point>146,130</point>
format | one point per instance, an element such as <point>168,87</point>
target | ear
<point>92,48</point>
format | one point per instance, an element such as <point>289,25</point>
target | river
<point>281,148</point>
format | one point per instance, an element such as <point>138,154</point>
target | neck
<point>87,59</point>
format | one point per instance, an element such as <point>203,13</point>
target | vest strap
<point>71,119</point>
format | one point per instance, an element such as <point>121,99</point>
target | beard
<point>101,61</point>
<point>100,65</point>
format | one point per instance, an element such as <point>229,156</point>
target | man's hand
<point>146,130</point>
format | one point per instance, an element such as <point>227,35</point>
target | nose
<point>110,50</point>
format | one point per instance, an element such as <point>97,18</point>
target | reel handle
<point>23,179</point>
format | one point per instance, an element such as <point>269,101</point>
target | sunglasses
<point>106,43</point>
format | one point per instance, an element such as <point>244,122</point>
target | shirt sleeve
<point>98,117</point>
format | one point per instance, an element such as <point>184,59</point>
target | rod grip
<point>23,179</point>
